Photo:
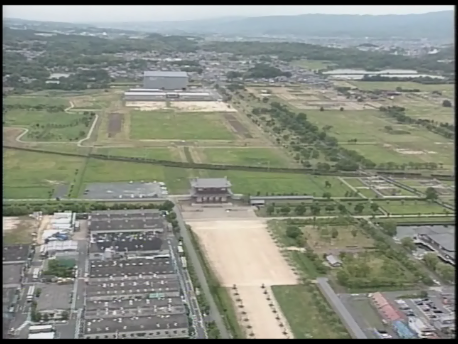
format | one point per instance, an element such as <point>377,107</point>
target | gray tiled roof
<point>167,74</point>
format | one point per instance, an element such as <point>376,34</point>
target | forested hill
<point>428,25</point>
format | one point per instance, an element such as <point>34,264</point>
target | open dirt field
<point>205,106</point>
<point>241,252</point>
<point>238,127</point>
<point>147,106</point>
<point>18,230</point>
<point>114,124</point>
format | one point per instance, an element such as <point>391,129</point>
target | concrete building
<point>333,261</point>
<point>211,190</point>
<point>138,327</point>
<point>385,309</point>
<point>165,80</point>
<point>125,221</point>
<point>54,300</point>
<point>53,247</point>
<point>16,254</point>
<point>132,244</point>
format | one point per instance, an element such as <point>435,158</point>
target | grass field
<point>319,238</point>
<point>391,85</point>
<point>48,126</point>
<point>304,310</point>
<point>377,266</point>
<point>265,157</point>
<point>278,183</point>
<point>180,126</point>
<point>34,175</point>
<point>101,171</point>
<point>159,153</point>
<point>312,64</point>
<point>368,127</point>
<point>420,220</point>
<point>410,207</point>
<point>36,100</point>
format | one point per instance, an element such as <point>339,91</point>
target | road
<point>216,316</point>
<point>189,293</point>
<point>367,217</point>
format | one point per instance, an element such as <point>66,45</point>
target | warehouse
<point>165,80</point>
<point>51,248</point>
<point>149,96</point>
<point>117,221</point>
<point>151,326</point>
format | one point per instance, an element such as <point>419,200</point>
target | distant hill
<point>428,25</point>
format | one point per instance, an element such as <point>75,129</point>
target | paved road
<point>189,293</point>
<point>368,217</point>
<point>216,316</point>
<point>353,328</point>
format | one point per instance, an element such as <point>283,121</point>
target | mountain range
<point>428,25</point>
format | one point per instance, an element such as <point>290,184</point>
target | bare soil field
<point>241,252</point>
<point>238,127</point>
<point>204,106</point>
<point>18,230</point>
<point>147,106</point>
<point>115,121</point>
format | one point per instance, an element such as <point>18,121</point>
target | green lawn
<point>410,207</point>
<point>308,314</point>
<point>36,100</point>
<point>355,182</point>
<point>159,153</point>
<point>391,85</point>
<point>178,126</point>
<point>49,126</point>
<point>101,171</point>
<point>278,183</point>
<point>312,64</point>
<point>264,157</point>
<point>367,192</point>
<point>416,144</point>
<point>29,174</point>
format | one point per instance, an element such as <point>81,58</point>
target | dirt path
<point>43,225</point>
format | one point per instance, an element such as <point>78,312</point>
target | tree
<point>285,210</point>
<point>334,233</point>
<point>65,315</point>
<point>270,209</point>
<point>408,243</point>
<point>431,194</point>
<point>327,195</point>
<point>342,208</point>
<point>300,209</point>
<point>321,108</point>
<point>446,271</point>
<point>447,103</point>
<point>354,232</point>
<point>359,207</point>
<point>374,207</point>
<point>341,109</point>
<point>423,294</point>
<point>390,228</point>
<point>293,232</point>
<point>431,260</point>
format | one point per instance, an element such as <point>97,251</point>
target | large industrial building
<point>133,288</point>
<point>165,80</point>
<point>168,86</point>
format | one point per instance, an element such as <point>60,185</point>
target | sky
<point>169,13</point>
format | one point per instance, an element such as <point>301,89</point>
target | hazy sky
<point>165,13</point>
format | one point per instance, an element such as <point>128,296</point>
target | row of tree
<point>398,113</point>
